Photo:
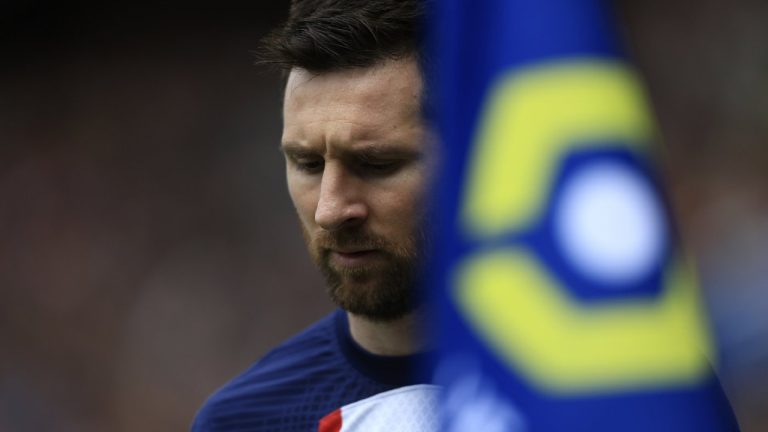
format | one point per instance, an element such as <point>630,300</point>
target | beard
<point>383,289</point>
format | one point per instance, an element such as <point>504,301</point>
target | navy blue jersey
<point>304,379</point>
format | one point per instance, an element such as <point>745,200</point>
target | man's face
<point>357,165</point>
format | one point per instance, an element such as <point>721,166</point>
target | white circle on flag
<point>610,224</point>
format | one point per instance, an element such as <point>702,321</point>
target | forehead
<point>364,101</point>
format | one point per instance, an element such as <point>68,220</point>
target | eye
<point>311,166</point>
<point>379,167</point>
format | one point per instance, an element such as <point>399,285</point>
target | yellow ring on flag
<point>532,119</point>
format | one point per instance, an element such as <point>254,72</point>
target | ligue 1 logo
<point>570,277</point>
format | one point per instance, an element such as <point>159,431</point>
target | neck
<point>391,338</point>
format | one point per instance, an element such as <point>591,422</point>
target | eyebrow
<point>296,150</point>
<point>363,152</point>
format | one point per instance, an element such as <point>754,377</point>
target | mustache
<point>349,239</point>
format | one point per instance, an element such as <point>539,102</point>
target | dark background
<point>149,251</point>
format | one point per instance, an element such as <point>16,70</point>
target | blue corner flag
<point>564,303</point>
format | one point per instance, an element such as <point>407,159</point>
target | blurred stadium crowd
<point>148,249</point>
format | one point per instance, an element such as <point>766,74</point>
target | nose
<point>341,203</point>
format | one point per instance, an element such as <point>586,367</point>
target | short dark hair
<point>329,35</point>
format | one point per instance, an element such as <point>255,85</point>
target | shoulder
<point>276,383</point>
<point>317,344</point>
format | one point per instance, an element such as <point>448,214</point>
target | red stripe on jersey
<point>331,422</point>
